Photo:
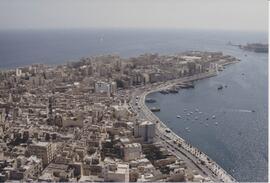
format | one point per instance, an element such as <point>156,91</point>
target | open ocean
<point>239,141</point>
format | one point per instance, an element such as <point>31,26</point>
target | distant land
<point>254,47</point>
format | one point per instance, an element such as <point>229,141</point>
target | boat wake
<point>239,110</point>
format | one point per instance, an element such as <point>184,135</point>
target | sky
<point>247,15</point>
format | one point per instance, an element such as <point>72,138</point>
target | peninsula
<point>87,120</point>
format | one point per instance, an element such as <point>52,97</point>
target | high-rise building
<point>43,150</point>
<point>145,130</point>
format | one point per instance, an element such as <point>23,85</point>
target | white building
<point>132,151</point>
<point>145,130</point>
<point>18,72</point>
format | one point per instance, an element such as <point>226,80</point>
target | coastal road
<point>176,145</point>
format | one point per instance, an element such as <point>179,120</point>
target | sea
<point>229,125</point>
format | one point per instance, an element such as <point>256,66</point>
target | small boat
<point>216,123</point>
<point>213,117</point>
<point>196,118</point>
<point>197,110</point>
<point>191,112</point>
<point>220,87</point>
<point>178,116</point>
<point>150,100</point>
<point>173,90</point>
<point>186,128</point>
<point>200,112</point>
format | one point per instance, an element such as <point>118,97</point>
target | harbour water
<point>229,125</point>
<point>238,142</point>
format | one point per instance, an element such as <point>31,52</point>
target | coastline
<point>161,127</point>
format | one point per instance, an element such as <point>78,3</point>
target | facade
<point>132,151</point>
<point>145,131</point>
<point>116,172</point>
<point>43,150</point>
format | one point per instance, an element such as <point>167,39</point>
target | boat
<point>197,110</point>
<point>216,123</point>
<point>213,117</point>
<point>178,116</point>
<point>164,92</point>
<point>220,87</point>
<point>155,109</point>
<point>200,112</point>
<point>173,91</point>
<point>186,85</point>
<point>196,118</point>
<point>150,100</point>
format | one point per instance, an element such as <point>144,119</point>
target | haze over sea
<point>239,141</point>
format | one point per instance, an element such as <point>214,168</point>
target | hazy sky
<point>247,15</point>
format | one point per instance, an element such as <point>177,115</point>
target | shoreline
<point>199,155</point>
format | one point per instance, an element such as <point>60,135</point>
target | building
<point>43,150</point>
<point>102,87</point>
<point>132,151</point>
<point>145,131</point>
<point>116,172</point>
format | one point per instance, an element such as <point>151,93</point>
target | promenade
<point>177,145</point>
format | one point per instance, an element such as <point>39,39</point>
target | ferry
<point>186,85</point>
<point>155,109</point>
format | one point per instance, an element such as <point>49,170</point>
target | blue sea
<point>236,138</point>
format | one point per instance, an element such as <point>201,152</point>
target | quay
<point>177,145</point>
